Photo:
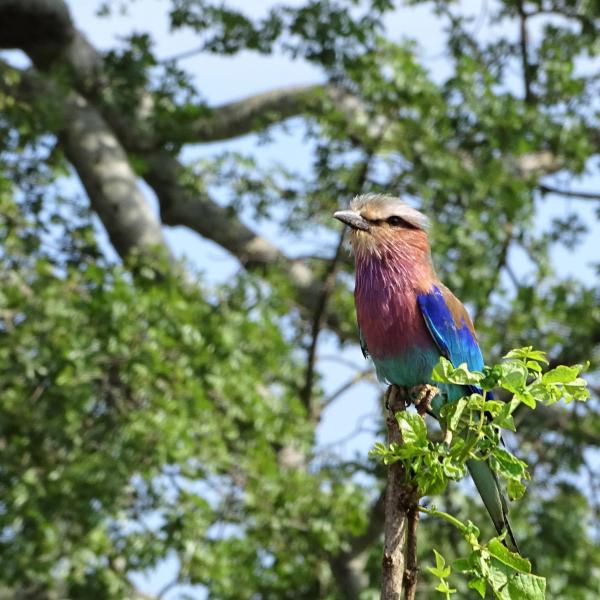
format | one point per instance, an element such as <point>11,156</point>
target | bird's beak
<point>352,219</point>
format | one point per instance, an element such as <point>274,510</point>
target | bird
<point>407,318</point>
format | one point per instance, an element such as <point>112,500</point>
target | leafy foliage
<point>149,415</point>
<point>471,427</point>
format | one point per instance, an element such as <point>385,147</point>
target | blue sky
<point>222,79</point>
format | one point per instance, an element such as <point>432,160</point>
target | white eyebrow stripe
<point>387,206</point>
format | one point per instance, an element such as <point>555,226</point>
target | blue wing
<point>450,327</point>
<point>452,330</point>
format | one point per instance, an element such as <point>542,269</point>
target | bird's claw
<point>421,396</point>
<point>390,396</point>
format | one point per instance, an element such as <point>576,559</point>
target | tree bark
<point>399,564</point>
<point>411,569</point>
<point>111,185</point>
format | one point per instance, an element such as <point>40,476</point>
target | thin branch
<point>513,276</point>
<point>548,189</point>
<point>500,265</point>
<point>358,429</point>
<point>364,541</point>
<point>350,364</point>
<point>181,55</point>
<point>524,44</point>
<point>358,377</point>
<point>317,324</point>
<point>168,587</point>
<point>326,290</point>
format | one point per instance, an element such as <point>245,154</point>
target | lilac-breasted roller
<point>407,318</point>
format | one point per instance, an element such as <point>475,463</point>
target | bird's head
<point>382,224</point>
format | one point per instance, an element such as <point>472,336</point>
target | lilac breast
<point>386,307</point>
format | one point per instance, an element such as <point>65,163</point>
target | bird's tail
<point>488,486</point>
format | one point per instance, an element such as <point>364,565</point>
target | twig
<point>181,55</point>
<point>358,430</point>
<point>328,284</point>
<point>500,265</point>
<point>317,324</point>
<point>524,43</point>
<point>356,378</point>
<point>168,587</point>
<point>548,189</point>
<point>341,360</point>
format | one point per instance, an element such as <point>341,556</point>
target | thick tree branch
<point>184,203</point>
<point>182,200</point>
<point>536,164</point>
<point>101,163</point>
<point>35,26</point>
<point>259,111</point>
<point>399,564</point>
<point>112,186</point>
<point>103,168</point>
<point>252,113</point>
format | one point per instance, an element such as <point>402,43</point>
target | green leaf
<point>462,565</point>
<point>513,375</point>
<point>526,397</point>
<point>440,570</point>
<point>526,587</point>
<point>504,418</point>
<point>453,411</point>
<point>478,584</point>
<point>445,372</point>
<point>444,588</point>
<point>440,561</point>
<point>528,353</point>
<point>561,374</point>
<point>515,489</point>
<point>413,429</point>
<point>452,469</point>
<point>508,464</point>
<point>497,549</point>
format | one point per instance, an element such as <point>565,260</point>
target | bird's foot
<point>421,396</point>
<point>389,398</point>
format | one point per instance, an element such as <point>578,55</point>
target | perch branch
<point>399,571</point>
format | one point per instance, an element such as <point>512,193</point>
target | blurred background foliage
<point>152,419</point>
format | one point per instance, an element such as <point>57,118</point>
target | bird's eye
<point>395,221</point>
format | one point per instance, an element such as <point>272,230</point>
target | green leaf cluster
<point>490,566</point>
<point>471,431</point>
